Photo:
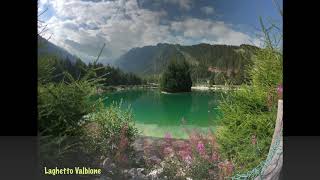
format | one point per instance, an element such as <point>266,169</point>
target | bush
<point>249,114</point>
<point>61,107</point>
<point>112,132</point>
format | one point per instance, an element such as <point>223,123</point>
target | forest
<point>113,76</point>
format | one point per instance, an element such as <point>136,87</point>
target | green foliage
<point>177,77</point>
<point>45,70</point>
<point>112,126</point>
<point>116,77</point>
<point>152,79</point>
<point>249,114</point>
<point>220,78</point>
<point>61,106</point>
<point>266,72</point>
<point>67,110</point>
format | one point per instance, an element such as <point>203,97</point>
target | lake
<point>157,113</point>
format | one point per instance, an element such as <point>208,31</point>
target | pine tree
<point>176,77</point>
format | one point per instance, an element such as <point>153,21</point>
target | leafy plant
<point>249,114</point>
<point>112,131</point>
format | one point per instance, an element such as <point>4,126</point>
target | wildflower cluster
<point>197,157</point>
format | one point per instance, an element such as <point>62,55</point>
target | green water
<point>156,113</point>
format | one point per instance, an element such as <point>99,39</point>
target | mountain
<point>45,47</point>
<point>205,59</point>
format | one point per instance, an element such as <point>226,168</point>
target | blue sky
<point>82,26</point>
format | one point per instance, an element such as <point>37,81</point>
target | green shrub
<point>249,114</point>
<point>61,107</point>
<point>110,127</point>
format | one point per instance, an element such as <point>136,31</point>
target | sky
<point>83,26</point>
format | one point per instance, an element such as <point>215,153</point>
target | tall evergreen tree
<point>176,77</point>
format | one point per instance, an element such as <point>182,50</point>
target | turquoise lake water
<point>157,113</point>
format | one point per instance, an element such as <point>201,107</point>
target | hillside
<point>206,60</point>
<point>45,47</point>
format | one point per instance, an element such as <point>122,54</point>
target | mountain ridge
<point>204,59</point>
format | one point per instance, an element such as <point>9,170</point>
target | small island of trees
<point>176,78</point>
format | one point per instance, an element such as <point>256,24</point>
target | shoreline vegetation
<point>156,86</point>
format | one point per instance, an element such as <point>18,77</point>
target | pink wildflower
<point>214,156</point>
<point>200,148</point>
<point>167,137</point>
<point>184,154</point>
<point>193,138</point>
<point>229,167</point>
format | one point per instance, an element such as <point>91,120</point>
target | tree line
<point>112,76</point>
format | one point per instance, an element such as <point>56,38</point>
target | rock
<point>140,174</point>
<point>181,172</point>
<point>108,166</point>
<point>155,173</point>
<point>135,174</point>
<point>140,170</point>
<point>132,172</point>
<point>162,164</point>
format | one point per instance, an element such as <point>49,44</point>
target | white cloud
<point>207,10</point>
<point>216,32</point>
<point>83,26</point>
